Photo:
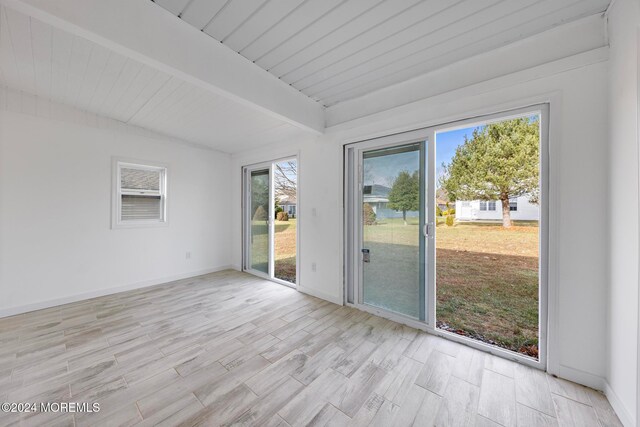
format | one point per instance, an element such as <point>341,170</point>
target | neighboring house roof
<point>376,193</point>
<point>287,200</point>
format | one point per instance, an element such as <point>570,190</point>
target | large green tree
<point>405,193</point>
<point>500,161</point>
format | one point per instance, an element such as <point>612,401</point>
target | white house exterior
<point>377,196</point>
<point>475,210</point>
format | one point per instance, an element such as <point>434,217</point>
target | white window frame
<point>483,205</point>
<point>117,164</point>
<point>491,205</point>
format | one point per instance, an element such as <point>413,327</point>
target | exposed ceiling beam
<point>148,33</point>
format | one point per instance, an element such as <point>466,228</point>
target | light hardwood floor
<point>229,348</point>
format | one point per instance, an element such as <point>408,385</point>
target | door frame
<point>354,152</point>
<point>246,221</point>
<point>353,219</point>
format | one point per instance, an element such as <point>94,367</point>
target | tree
<point>499,162</point>
<point>368,214</point>
<point>285,178</point>
<point>405,193</point>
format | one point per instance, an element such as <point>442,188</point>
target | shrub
<point>438,211</point>
<point>277,210</point>
<point>452,211</point>
<point>449,220</point>
<point>260,214</point>
<point>282,216</point>
<point>368,215</point>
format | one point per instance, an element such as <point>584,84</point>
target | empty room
<point>320,213</point>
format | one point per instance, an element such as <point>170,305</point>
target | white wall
<point>578,115</point>
<point>622,343</point>
<point>577,90</point>
<point>56,243</point>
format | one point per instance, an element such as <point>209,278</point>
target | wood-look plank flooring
<point>231,349</point>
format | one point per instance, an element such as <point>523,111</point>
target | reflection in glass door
<point>393,215</point>
<point>260,230</point>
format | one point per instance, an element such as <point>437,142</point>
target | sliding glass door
<point>260,228</point>
<point>393,212</point>
<point>446,229</point>
<point>270,213</point>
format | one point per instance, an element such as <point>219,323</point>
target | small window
<point>513,204</point>
<point>483,205</point>
<point>492,205</point>
<point>140,194</point>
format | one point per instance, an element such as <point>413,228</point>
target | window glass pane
<point>392,247</point>
<point>285,175</point>
<point>139,208</point>
<point>259,234</point>
<point>487,263</point>
<point>139,179</point>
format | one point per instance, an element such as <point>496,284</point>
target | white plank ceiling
<point>335,50</point>
<point>45,61</point>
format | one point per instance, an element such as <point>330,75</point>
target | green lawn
<point>486,278</point>
<point>285,249</point>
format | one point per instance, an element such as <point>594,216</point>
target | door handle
<point>366,255</point>
<point>426,229</point>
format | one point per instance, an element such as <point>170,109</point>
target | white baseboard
<point>581,377</point>
<point>321,295</point>
<point>12,311</point>
<point>626,418</point>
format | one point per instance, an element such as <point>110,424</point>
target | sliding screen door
<point>259,217</point>
<point>392,217</point>
<point>270,220</point>
<point>458,246</point>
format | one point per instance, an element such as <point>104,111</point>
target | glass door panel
<point>393,216</point>
<point>259,231</point>
<point>488,232</point>
<point>285,175</point>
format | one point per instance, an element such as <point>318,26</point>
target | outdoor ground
<point>486,278</point>
<point>285,249</point>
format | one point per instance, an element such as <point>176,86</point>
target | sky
<point>446,143</point>
<point>383,170</point>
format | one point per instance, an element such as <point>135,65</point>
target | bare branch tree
<point>286,179</point>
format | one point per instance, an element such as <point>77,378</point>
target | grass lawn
<point>285,249</point>
<point>486,278</point>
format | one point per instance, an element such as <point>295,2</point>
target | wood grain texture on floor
<point>231,349</point>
